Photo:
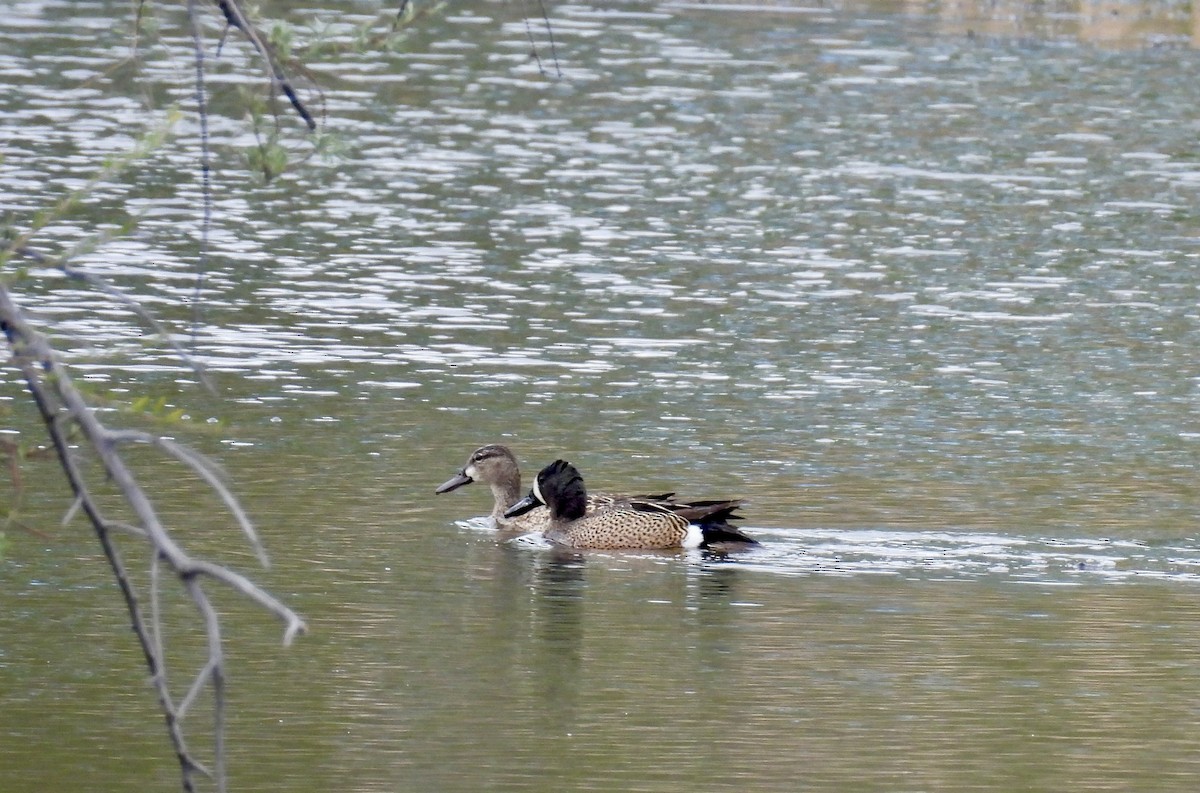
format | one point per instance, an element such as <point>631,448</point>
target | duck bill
<point>522,506</point>
<point>457,481</point>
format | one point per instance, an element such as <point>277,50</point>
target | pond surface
<point>921,284</point>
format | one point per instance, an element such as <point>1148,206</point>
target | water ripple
<point>931,554</point>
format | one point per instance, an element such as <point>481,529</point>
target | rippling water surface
<point>922,287</point>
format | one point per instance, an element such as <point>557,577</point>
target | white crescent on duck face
<point>537,490</point>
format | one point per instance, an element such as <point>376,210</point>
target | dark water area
<point>919,283</point>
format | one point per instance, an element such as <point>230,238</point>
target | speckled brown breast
<point>615,527</point>
<point>538,519</point>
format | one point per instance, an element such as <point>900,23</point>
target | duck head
<point>560,488</point>
<point>491,464</point>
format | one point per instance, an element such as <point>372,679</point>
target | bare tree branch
<point>62,407</point>
<point>235,17</point>
<point>207,471</point>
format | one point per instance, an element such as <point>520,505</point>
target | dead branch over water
<point>63,409</point>
<point>78,435</point>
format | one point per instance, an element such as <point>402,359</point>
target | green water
<point>927,300</point>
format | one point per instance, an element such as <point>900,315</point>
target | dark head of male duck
<point>558,486</point>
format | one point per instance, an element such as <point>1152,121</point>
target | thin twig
<point>236,17</point>
<point>550,36</point>
<point>206,194</point>
<point>206,470</point>
<point>400,14</point>
<point>74,272</point>
<point>533,49</point>
<point>96,282</point>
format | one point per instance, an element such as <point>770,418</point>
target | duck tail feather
<point>724,533</point>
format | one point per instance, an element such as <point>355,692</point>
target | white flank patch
<point>693,538</point>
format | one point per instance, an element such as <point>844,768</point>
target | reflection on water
<point>635,671</point>
<point>926,299</point>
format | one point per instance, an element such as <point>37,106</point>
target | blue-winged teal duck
<point>496,466</point>
<point>625,524</point>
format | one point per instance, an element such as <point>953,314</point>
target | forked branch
<point>62,408</point>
